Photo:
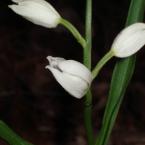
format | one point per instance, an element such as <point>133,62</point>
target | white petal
<point>72,84</point>
<point>42,2</point>
<point>71,67</point>
<point>131,45</point>
<point>17,1</point>
<point>37,11</point>
<point>73,76</point>
<point>54,61</point>
<point>38,1</point>
<point>129,41</point>
<point>126,33</point>
<point>75,68</point>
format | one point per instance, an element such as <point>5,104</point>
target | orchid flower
<point>73,76</point>
<point>129,40</point>
<point>38,12</point>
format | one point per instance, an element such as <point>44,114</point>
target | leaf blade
<point>122,75</point>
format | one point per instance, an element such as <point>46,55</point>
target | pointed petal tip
<point>50,58</point>
<point>10,6</point>
<point>13,7</point>
<point>47,67</point>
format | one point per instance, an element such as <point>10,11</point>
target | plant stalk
<point>74,32</point>
<point>87,62</point>
<point>101,63</point>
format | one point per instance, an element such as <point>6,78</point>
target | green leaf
<point>10,136</point>
<point>122,74</point>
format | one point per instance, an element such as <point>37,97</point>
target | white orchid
<point>39,12</point>
<point>73,76</point>
<point>129,41</point>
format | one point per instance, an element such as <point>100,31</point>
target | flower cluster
<point>73,76</point>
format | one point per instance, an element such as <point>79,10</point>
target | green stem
<point>88,117</point>
<point>87,62</point>
<point>87,51</point>
<point>74,32</point>
<point>101,63</point>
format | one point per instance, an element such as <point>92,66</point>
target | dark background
<point>34,105</point>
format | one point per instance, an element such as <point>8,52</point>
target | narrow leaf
<point>10,136</point>
<point>122,74</point>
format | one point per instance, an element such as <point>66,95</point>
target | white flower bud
<point>129,41</point>
<point>73,76</point>
<point>38,12</point>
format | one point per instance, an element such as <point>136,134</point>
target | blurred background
<point>34,105</point>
